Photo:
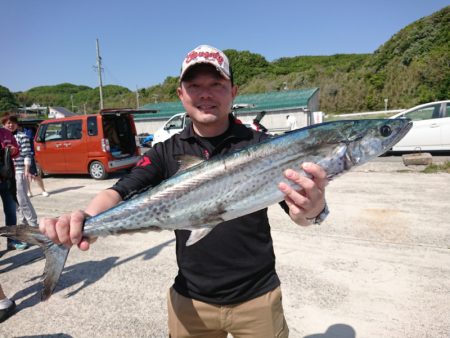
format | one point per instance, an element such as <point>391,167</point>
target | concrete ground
<point>378,267</point>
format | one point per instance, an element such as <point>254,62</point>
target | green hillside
<point>410,68</point>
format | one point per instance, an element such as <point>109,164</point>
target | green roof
<point>286,99</point>
<point>165,109</point>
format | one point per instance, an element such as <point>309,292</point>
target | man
<point>291,122</point>
<point>227,282</point>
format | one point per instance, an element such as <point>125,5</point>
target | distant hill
<point>411,68</point>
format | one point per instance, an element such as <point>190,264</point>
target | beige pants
<point>260,317</point>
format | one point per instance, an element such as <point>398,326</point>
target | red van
<point>96,144</point>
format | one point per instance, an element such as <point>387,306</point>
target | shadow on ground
<point>85,273</point>
<point>58,191</point>
<point>336,331</point>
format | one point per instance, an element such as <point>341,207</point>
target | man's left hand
<point>309,201</point>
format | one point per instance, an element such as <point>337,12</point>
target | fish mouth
<point>405,129</point>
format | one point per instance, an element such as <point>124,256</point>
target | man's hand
<point>66,229</point>
<point>309,201</point>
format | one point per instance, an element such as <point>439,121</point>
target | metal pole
<point>99,67</point>
<point>137,97</point>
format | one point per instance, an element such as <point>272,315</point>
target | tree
<point>245,64</point>
<point>7,100</point>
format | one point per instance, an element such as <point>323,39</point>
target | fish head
<point>367,139</point>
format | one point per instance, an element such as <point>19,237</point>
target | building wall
<point>274,120</point>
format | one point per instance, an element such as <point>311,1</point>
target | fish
<point>243,182</point>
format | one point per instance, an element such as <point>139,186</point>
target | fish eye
<point>385,131</point>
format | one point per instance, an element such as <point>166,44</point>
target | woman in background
<point>22,168</point>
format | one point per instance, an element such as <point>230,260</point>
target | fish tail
<point>55,255</point>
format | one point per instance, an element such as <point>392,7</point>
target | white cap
<point>209,55</point>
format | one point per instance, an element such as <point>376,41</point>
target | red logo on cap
<point>207,55</point>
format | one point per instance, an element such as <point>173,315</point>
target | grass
<point>436,168</point>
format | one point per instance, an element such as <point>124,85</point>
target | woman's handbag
<point>6,164</point>
<point>7,173</point>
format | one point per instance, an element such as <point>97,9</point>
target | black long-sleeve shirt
<point>235,262</point>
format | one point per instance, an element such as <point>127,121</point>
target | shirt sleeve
<point>147,173</point>
<point>8,139</point>
<point>25,149</point>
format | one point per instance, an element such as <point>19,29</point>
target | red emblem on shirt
<point>144,161</point>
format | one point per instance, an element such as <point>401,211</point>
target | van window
<point>53,132</point>
<point>73,130</point>
<point>92,126</point>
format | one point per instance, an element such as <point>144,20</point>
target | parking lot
<point>379,266</point>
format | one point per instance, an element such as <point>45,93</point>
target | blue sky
<point>48,42</point>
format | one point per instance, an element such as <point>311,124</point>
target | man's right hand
<point>67,229</point>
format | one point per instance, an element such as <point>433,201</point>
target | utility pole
<point>99,68</point>
<point>71,100</point>
<point>137,97</point>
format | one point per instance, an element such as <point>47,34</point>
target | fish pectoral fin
<point>197,235</point>
<point>187,161</point>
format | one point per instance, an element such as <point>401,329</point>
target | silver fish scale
<point>243,184</point>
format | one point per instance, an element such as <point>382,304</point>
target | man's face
<point>207,96</point>
<point>11,126</point>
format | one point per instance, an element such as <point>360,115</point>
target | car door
<point>175,124</point>
<point>74,147</point>
<point>445,127</point>
<point>49,150</point>
<point>426,131</point>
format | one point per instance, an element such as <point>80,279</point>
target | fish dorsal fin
<point>188,161</point>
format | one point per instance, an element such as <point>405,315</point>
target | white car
<point>431,128</point>
<point>173,126</point>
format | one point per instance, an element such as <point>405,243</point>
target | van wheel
<point>97,170</point>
